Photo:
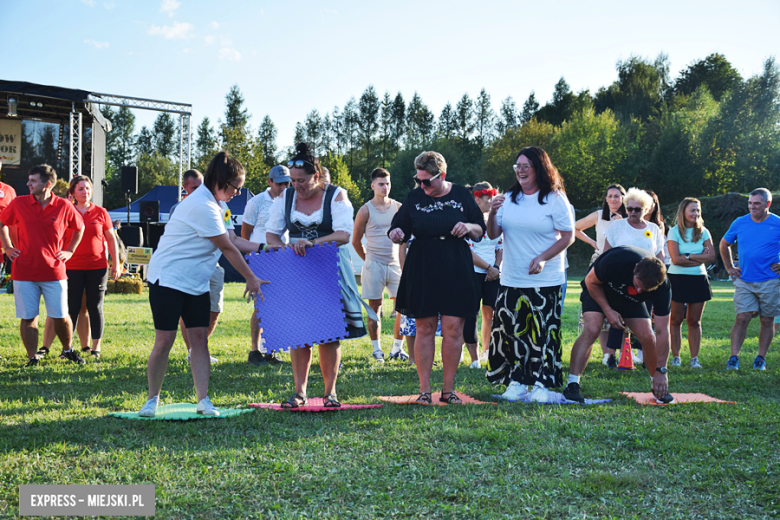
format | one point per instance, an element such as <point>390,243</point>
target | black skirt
<point>690,288</point>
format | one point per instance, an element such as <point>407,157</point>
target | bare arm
<point>65,254</point>
<point>537,264</point>
<point>493,229</point>
<point>113,249</point>
<point>607,245</point>
<point>359,230</point>
<point>233,256</point>
<point>586,223</point>
<point>728,262</point>
<point>246,230</point>
<point>8,245</point>
<point>242,244</point>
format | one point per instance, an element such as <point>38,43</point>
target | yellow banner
<point>139,255</point>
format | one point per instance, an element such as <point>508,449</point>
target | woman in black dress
<point>436,278</point>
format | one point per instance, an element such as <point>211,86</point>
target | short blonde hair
<point>431,162</point>
<point>640,196</point>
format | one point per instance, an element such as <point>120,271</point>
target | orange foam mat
<point>647,398</point>
<point>412,399</point>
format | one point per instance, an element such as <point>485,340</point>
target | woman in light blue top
<point>690,247</point>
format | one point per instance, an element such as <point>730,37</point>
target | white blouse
<point>341,211</point>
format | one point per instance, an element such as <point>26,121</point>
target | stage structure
<point>79,110</point>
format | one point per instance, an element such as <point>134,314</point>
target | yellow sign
<point>139,255</point>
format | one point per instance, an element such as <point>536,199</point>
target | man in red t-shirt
<point>7,194</point>
<point>40,254</point>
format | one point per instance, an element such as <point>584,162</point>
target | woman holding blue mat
<point>316,213</point>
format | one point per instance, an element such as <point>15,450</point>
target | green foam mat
<point>181,412</point>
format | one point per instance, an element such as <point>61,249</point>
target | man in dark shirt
<point>617,286</point>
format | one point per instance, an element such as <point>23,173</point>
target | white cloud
<point>229,54</point>
<point>90,3</point>
<point>187,51</point>
<point>96,44</point>
<point>178,31</point>
<point>210,40</point>
<point>214,25</point>
<point>169,6</point>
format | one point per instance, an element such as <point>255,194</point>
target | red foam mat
<point>412,399</point>
<point>315,405</point>
<point>647,398</point>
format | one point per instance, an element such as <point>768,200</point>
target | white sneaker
<point>379,356</point>
<point>695,363</point>
<point>605,360</point>
<point>205,407</point>
<point>462,356</point>
<point>540,394</point>
<point>150,408</point>
<point>676,361</point>
<point>475,364</point>
<point>639,358</point>
<point>515,391</point>
<point>211,358</point>
<point>484,357</point>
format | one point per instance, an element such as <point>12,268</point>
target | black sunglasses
<point>425,182</point>
<point>298,163</point>
<point>629,209</point>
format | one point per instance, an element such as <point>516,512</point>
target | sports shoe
<point>33,362</point>
<point>273,359</point>
<point>605,360</point>
<point>205,407</point>
<point>150,407</point>
<point>400,355</point>
<point>42,352</point>
<point>515,391</point>
<point>695,363</point>
<point>256,358</point>
<point>211,358</point>
<point>483,357</point>
<point>379,356</point>
<point>462,356</point>
<point>759,363</point>
<point>73,357</point>
<point>612,361</point>
<point>733,363</point>
<point>540,394</point>
<point>639,358</point>
<point>475,365</point>
<point>676,361</point>
<point>667,399</point>
<point>572,393</point>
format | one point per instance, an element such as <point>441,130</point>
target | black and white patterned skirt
<point>525,342</point>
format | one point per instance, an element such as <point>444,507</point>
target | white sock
<point>398,345</point>
<point>375,344</point>
<point>262,348</point>
<point>66,351</point>
<point>574,379</point>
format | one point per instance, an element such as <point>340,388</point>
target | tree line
<point>708,131</point>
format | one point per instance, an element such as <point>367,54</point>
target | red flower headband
<point>481,193</point>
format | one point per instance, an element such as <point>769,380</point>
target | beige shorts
<point>761,297</point>
<point>377,276</point>
<point>216,286</point>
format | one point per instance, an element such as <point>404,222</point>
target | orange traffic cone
<point>626,359</point>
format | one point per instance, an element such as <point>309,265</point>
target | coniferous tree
<point>464,118</point>
<point>446,126</point>
<point>507,117</point>
<point>530,108</point>
<point>144,143</point>
<point>399,119</point>
<point>368,120</point>
<point>236,116</point>
<point>164,132</point>
<point>267,134</point>
<point>484,118</point>
<point>206,144</point>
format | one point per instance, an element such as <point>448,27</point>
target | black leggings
<point>93,281</point>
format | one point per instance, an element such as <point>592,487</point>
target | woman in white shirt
<point>179,272</point>
<point>537,224</point>
<point>314,212</point>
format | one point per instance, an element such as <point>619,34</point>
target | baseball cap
<point>279,174</point>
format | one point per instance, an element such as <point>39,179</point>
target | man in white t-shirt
<point>253,228</point>
<point>382,268</point>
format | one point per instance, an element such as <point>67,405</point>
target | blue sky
<point>291,57</point>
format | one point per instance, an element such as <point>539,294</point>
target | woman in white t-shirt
<point>179,272</point>
<point>690,246</point>
<point>638,232</point>
<point>537,224</point>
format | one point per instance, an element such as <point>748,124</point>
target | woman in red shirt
<point>88,267</point>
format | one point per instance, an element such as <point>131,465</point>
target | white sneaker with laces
<point>379,356</point>
<point>695,363</point>
<point>475,364</point>
<point>540,394</point>
<point>676,361</point>
<point>515,391</point>
<point>484,356</point>
<point>149,409</point>
<point>605,360</point>
<point>205,407</point>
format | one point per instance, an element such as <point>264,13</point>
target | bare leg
<point>374,327</point>
<point>330,357</point>
<point>675,328</point>
<point>765,335</point>
<point>184,334</point>
<point>397,324</point>
<point>200,362</point>
<point>473,351</point>
<point>739,331</point>
<point>255,331</point>
<point>28,329</point>
<point>583,345</point>
<point>300,359</point>
<point>410,348</point>
<point>48,332</point>
<point>451,348</point>
<point>695,312</point>
<point>425,349</point>
<point>642,329</point>
<point>213,318</point>
<point>487,326</point>
<point>158,360</point>
<point>64,329</point>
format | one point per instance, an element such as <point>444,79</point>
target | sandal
<point>295,401</point>
<point>42,352</point>
<point>331,401</point>
<point>95,354</point>
<point>86,349</point>
<point>424,398</point>
<point>450,399</point>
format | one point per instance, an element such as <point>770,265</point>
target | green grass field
<point>619,460</point>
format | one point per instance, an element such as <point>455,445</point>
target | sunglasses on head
<point>298,163</point>
<point>425,182</point>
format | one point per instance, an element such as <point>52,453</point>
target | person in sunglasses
<point>639,232</point>
<point>437,277</point>
<point>314,212</point>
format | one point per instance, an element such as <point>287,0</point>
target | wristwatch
<point>260,248</point>
<point>661,369</point>
<point>687,255</point>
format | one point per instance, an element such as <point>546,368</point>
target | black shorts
<point>661,300</point>
<point>168,305</point>
<point>690,288</point>
<point>487,293</point>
